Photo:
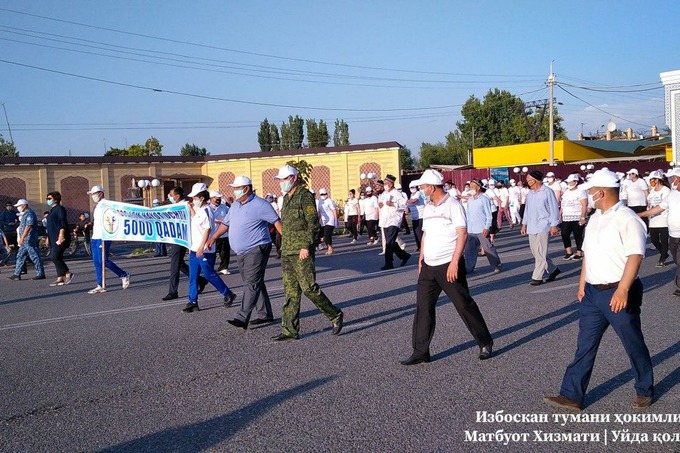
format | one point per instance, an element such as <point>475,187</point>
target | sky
<point>79,77</point>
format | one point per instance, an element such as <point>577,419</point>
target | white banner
<point>170,224</point>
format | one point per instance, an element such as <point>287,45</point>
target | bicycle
<point>74,246</point>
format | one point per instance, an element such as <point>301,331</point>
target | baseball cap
<point>155,201</point>
<point>197,188</point>
<point>20,202</point>
<point>550,175</point>
<point>369,189</point>
<point>241,181</point>
<point>656,174</point>
<point>215,194</point>
<point>673,172</point>
<point>602,178</point>
<point>431,177</point>
<point>413,183</point>
<point>573,177</point>
<point>633,170</point>
<point>95,189</point>
<point>286,171</point>
<point>322,191</point>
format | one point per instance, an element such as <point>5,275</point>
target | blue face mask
<point>50,202</point>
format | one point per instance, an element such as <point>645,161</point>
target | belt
<point>605,286</point>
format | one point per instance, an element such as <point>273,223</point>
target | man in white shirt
<point>554,185</point>
<point>370,210</point>
<point>610,293</point>
<point>416,204</point>
<point>637,191</point>
<point>328,218</point>
<point>352,213</point>
<point>441,267</point>
<point>514,203</point>
<point>392,206</point>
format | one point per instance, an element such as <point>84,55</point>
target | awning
<point>622,146</point>
<point>619,159</point>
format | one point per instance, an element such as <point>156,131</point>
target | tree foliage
<point>341,133</point>
<point>317,134</point>
<point>274,138</point>
<point>452,152</point>
<point>406,161</point>
<point>292,133</point>
<point>304,169</point>
<point>264,136</point>
<point>151,147</point>
<point>501,119</point>
<point>193,150</point>
<point>7,149</point>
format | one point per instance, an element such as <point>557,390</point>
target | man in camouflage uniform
<point>300,225</point>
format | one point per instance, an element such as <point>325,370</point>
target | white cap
<point>602,178</point>
<point>512,181</point>
<point>633,170</point>
<point>620,174</point>
<point>215,194</point>
<point>656,174</point>
<point>413,183</point>
<point>197,188</point>
<point>155,201</point>
<point>673,172</point>
<point>322,191</point>
<point>550,175</point>
<point>368,189</point>
<point>286,171</point>
<point>241,181</point>
<point>95,189</point>
<point>573,177</point>
<point>431,177</point>
<point>21,202</point>
<point>398,187</point>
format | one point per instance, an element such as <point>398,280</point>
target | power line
<point>207,46</point>
<point>217,98</point>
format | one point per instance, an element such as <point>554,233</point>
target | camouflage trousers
<point>299,277</point>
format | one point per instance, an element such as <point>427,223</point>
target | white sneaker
<point>354,241</point>
<point>125,281</point>
<point>380,254</point>
<point>225,272</point>
<point>97,289</point>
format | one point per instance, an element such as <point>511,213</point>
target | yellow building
<point>337,169</point>
<point>566,151</point>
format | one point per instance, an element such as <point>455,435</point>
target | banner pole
<point>103,264</point>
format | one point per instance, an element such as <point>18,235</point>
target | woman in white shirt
<point>658,224</point>
<point>328,218</point>
<point>573,208</point>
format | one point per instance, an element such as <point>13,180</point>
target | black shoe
<point>188,308</point>
<point>676,292</point>
<point>386,267</point>
<point>337,325</point>
<point>485,351</point>
<point>553,275</point>
<point>14,277</point>
<point>255,322</point>
<point>405,260</point>
<point>416,359</point>
<point>38,277</point>
<point>201,285</point>
<point>536,282</point>
<point>229,299</point>
<point>284,337</point>
<point>238,323</point>
<point>170,296</point>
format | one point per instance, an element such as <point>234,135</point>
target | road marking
<point>554,288</point>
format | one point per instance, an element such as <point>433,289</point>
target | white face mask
<point>363,197</point>
<point>286,185</point>
<point>414,190</point>
<point>675,186</point>
<point>472,192</point>
<point>323,197</point>
<point>197,203</point>
<point>592,201</point>
<point>96,197</point>
<point>171,199</point>
<point>238,193</point>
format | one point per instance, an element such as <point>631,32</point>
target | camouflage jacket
<point>300,222</point>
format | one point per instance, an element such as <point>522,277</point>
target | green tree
<point>7,149</point>
<point>274,137</point>
<point>153,147</point>
<point>452,152</point>
<point>292,133</point>
<point>193,150</point>
<point>116,152</point>
<point>264,136</point>
<point>341,133</point>
<point>317,134</point>
<point>304,169</point>
<point>137,150</point>
<point>502,119</point>
<point>406,160</point>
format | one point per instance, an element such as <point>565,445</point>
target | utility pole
<point>11,139</point>
<point>551,83</point>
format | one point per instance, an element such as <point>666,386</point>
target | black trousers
<point>659,237</point>
<point>362,224</point>
<point>391,247</point>
<point>639,209</point>
<point>417,231</point>
<point>57,257</point>
<point>177,265</point>
<point>371,226</point>
<point>223,250</point>
<point>431,282</point>
<point>567,228</point>
<point>351,225</point>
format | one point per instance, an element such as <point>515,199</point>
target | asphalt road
<point>125,371</point>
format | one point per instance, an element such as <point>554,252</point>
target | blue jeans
<point>595,317</point>
<point>25,251</point>
<point>97,260</point>
<point>206,264</point>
